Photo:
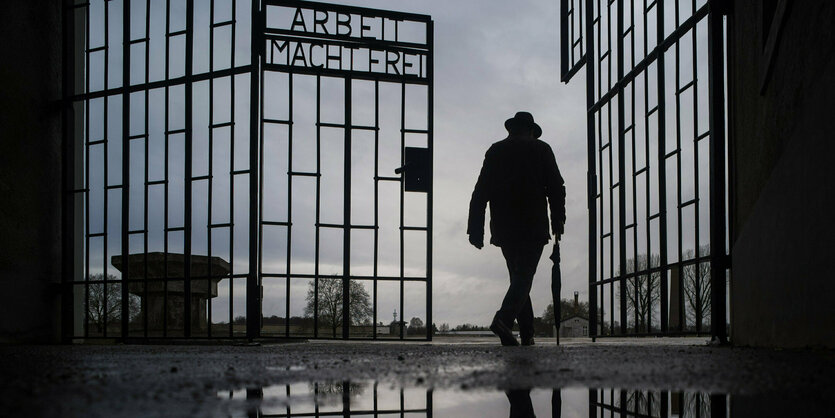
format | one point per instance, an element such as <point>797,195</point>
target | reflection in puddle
<point>331,399</point>
<point>372,399</point>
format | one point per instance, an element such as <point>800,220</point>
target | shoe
<point>503,332</point>
<point>528,341</point>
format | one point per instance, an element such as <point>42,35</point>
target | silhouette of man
<point>520,403</point>
<point>518,175</point>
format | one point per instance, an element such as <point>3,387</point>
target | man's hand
<point>477,241</point>
<point>558,232</point>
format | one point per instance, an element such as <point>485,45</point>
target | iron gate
<point>650,403</point>
<point>656,155</point>
<point>335,399</point>
<point>234,170</point>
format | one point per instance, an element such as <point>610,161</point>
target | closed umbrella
<point>556,403</point>
<point>556,285</point>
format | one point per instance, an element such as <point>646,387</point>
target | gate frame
<point>76,51</point>
<point>260,67</point>
<point>714,11</point>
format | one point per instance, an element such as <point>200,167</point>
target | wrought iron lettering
<point>316,38</point>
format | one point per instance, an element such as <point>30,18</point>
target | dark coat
<point>517,176</point>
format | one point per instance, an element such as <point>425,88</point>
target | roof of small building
<point>574,317</point>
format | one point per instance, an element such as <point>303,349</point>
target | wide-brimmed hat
<point>523,119</point>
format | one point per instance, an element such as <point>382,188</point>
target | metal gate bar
<point>648,403</point>
<point>347,390</point>
<point>642,277</point>
<point>253,287</point>
<point>276,37</point>
<point>136,84</point>
<point>192,125</point>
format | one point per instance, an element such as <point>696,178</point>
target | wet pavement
<point>448,377</point>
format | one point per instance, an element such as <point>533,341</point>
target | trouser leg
<point>525,319</point>
<point>521,265</point>
<point>520,403</point>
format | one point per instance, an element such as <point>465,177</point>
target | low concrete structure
<point>165,292</point>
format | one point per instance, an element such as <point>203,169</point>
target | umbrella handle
<point>555,253</point>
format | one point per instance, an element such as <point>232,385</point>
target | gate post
<point>125,197</point>
<point>253,290</point>
<point>346,214</point>
<point>68,172</point>
<point>718,259</point>
<point>592,172</point>
<point>430,124</point>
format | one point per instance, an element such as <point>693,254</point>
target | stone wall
<point>781,183</point>
<point>30,170</point>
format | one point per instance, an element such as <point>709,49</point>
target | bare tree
<point>548,315</point>
<point>646,403</point>
<point>696,404</point>
<point>416,327</point>
<point>696,278</point>
<point>104,302</point>
<point>330,302</point>
<point>643,291</point>
<point>327,389</point>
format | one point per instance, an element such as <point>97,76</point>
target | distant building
<point>575,326</point>
<point>395,326</point>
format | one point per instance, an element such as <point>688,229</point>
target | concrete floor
<point>183,380</point>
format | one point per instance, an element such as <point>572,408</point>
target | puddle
<point>373,399</point>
